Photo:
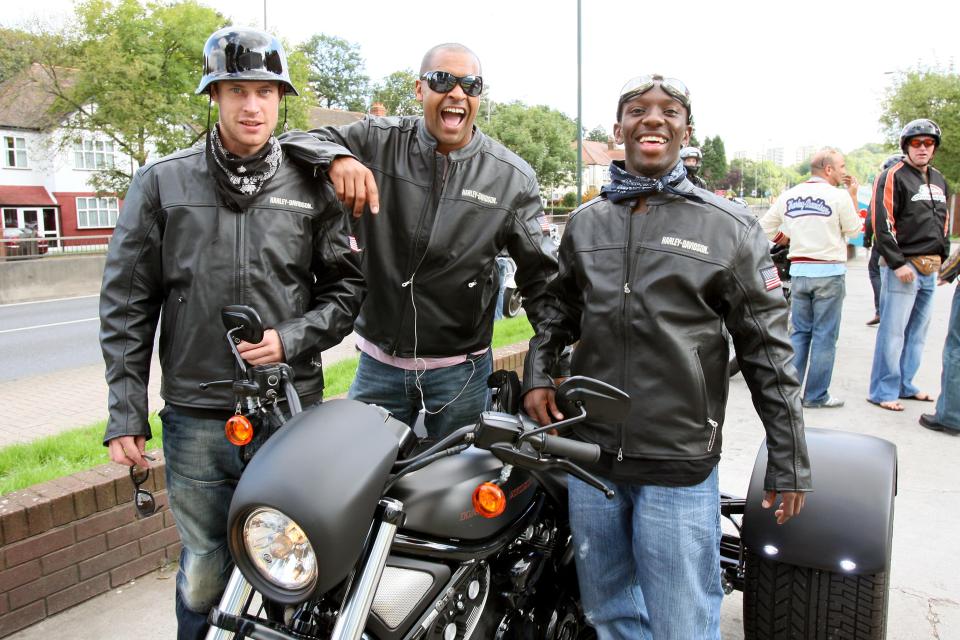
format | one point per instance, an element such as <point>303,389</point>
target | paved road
<point>43,337</point>
<point>925,578</point>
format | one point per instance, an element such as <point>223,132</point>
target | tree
<point>928,94</point>
<point>133,78</point>
<point>714,162</point>
<point>598,134</point>
<point>396,93</point>
<point>540,135</point>
<point>336,72</point>
<point>20,49</point>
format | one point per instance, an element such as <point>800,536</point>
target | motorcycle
<point>512,300</point>
<point>345,526</point>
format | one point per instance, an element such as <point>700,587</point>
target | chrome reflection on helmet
<point>244,54</point>
<point>279,549</point>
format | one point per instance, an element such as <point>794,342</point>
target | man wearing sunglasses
<point>450,199</point>
<point>649,273</point>
<point>909,214</point>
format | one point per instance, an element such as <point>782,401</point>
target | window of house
<point>14,152</point>
<point>94,154</point>
<point>96,213</point>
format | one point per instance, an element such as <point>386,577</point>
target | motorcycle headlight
<point>279,550</point>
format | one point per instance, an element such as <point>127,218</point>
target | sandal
<point>920,396</point>
<point>889,405</point>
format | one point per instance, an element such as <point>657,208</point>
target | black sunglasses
<point>142,499</point>
<point>444,82</point>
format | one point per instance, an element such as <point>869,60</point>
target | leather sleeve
<point>337,293</point>
<point>756,317</point>
<point>884,218</point>
<point>130,299</point>
<point>532,248</point>
<point>558,322</point>
<point>318,148</point>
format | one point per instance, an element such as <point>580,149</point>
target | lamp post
<point>579,111</point>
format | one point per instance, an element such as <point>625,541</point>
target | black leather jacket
<point>647,296</point>
<point>178,256</point>
<point>430,254</point>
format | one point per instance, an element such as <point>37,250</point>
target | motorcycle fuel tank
<point>438,499</point>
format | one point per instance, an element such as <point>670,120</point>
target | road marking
<point>18,304</point>
<point>44,326</point>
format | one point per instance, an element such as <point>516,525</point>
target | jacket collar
<point>473,147</point>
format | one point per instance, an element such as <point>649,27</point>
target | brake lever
<point>510,455</point>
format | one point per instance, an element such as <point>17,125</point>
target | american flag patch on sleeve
<point>544,223</point>
<point>353,245</point>
<point>771,278</point>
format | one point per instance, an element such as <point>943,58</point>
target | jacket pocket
<point>703,401</point>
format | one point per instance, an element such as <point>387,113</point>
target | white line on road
<point>17,304</point>
<point>44,326</point>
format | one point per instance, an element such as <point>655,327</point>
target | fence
<point>26,247</point>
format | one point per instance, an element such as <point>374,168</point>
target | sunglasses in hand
<point>142,499</point>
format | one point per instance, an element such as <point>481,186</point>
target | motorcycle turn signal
<point>239,430</point>
<point>489,500</point>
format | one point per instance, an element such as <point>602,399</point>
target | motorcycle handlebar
<point>566,448</point>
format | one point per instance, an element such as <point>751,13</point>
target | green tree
<point>694,142</point>
<point>714,162</point>
<point>540,135</point>
<point>133,77</point>
<point>597,134</point>
<point>928,94</point>
<point>20,49</point>
<point>396,93</point>
<point>336,72</point>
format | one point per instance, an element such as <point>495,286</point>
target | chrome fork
<point>233,601</point>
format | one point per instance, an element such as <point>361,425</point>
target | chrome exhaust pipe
<point>353,615</point>
<point>233,601</point>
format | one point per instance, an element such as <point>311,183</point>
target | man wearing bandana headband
<point>229,222</point>
<point>650,272</point>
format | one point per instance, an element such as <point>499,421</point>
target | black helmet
<point>921,127</point>
<point>244,53</point>
<point>892,160</point>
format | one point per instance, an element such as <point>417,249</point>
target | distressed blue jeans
<point>948,403</point>
<point>202,470</point>
<point>904,318</point>
<point>648,561</point>
<point>815,306</point>
<point>453,396</point>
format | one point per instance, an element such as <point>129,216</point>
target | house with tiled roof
<point>597,157</point>
<point>45,172</point>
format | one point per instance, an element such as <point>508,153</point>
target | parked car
<point>24,242</point>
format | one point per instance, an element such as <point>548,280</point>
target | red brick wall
<point>70,539</point>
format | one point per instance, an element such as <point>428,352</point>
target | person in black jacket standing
<point>452,199</point>
<point>910,230</point>
<point>650,272</point>
<point>873,264</point>
<point>232,222</point>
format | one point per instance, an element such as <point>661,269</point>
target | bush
<point>569,200</point>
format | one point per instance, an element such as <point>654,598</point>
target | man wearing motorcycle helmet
<point>909,215</point>
<point>228,222</point>
<point>692,161</point>
<point>873,264</point>
<point>648,559</point>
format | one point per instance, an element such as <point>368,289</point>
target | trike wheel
<point>785,601</point>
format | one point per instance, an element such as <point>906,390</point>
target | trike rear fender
<point>846,525</point>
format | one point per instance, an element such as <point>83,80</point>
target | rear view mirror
<point>601,401</point>
<point>245,320</point>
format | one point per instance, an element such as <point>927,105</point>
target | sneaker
<point>874,321</point>
<point>929,421</point>
<point>829,403</point>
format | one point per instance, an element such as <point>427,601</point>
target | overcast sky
<point>761,74</point>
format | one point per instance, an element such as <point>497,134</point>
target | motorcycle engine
<point>458,611</point>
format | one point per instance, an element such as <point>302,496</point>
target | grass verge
<point>23,465</point>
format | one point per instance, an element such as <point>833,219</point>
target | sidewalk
<point>45,405</point>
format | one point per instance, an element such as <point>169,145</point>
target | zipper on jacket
<point>624,313</point>
<point>713,433</point>
<point>238,275</point>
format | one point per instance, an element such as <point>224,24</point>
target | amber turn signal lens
<point>239,430</point>
<point>489,500</point>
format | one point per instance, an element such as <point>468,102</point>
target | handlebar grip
<point>566,448</point>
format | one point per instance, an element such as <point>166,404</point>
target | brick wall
<point>70,539</point>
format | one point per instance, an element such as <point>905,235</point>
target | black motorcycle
<point>345,526</point>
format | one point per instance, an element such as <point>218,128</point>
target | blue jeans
<point>202,470</point>
<point>453,396</point>
<point>648,561</point>
<point>815,305</point>
<point>948,404</point>
<point>873,271</point>
<point>904,318</point>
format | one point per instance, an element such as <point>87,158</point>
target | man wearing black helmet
<point>225,223</point>
<point>910,220</point>
<point>692,161</point>
<point>649,273</point>
<point>873,264</point>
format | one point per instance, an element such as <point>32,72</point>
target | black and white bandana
<point>238,179</point>
<point>626,186</point>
